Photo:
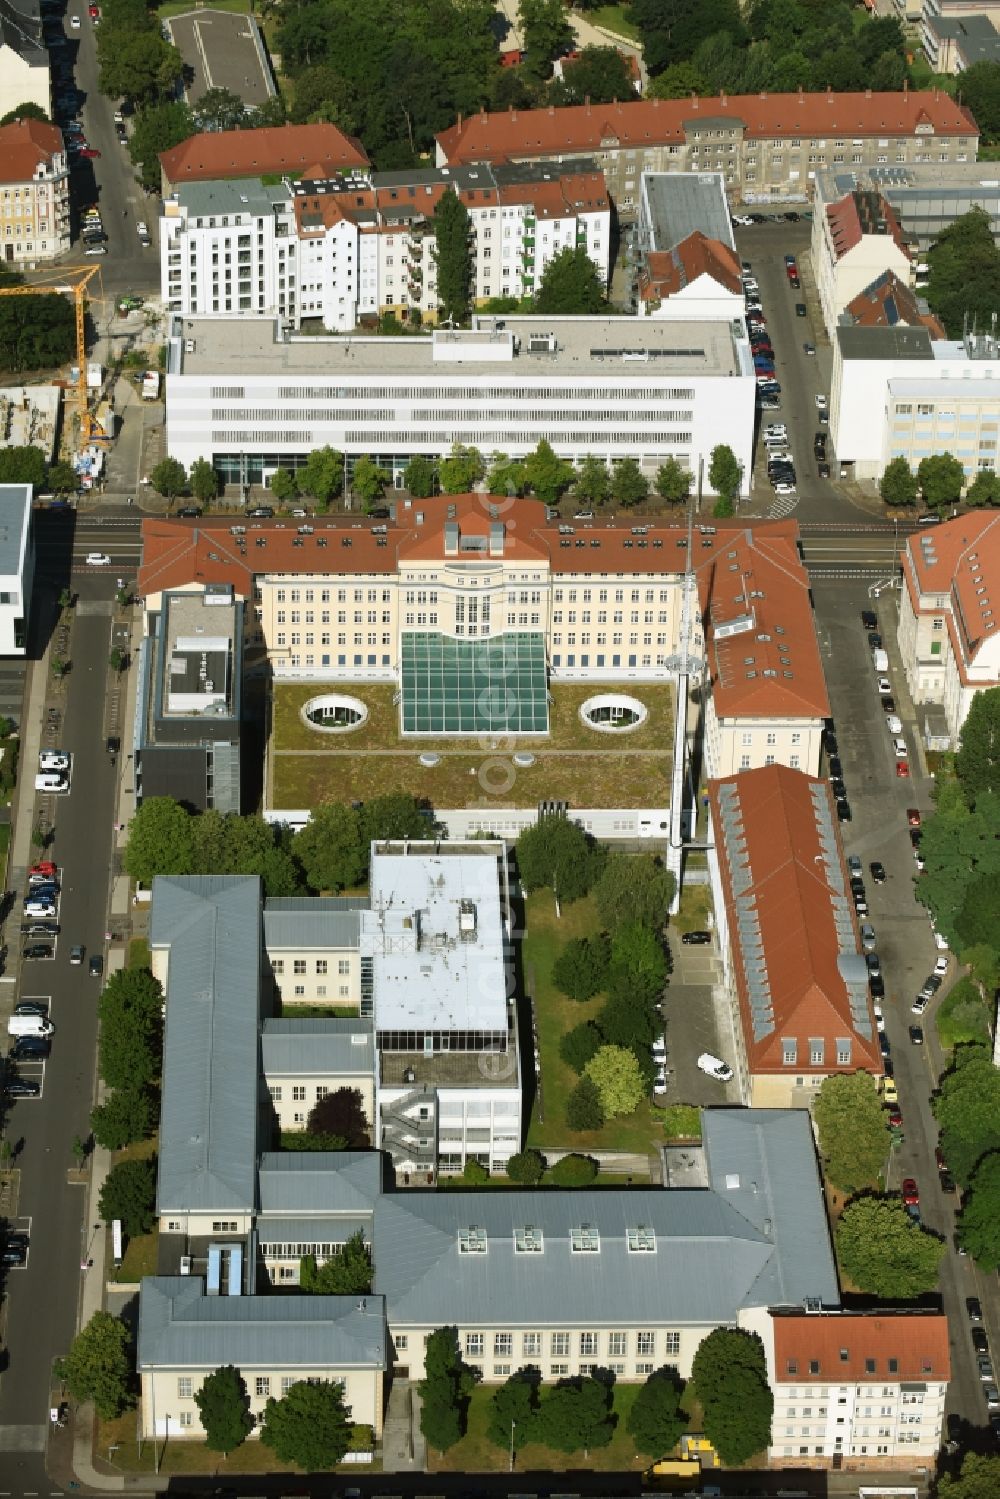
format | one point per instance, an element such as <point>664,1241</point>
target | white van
<point>880,661</point>
<point>29,1025</point>
<point>51,780</point>
<point>43,909</point>
<point>53,760</point>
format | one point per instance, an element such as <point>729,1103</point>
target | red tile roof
<point>646,122</point>
<point>869,308</point>
<point>310,151</point>
<point>960,558</point>
<point>668,271</point>
<point>916,1340</point>
<point>24,145</point>
<point>774,833</point>
<point>861,213</point>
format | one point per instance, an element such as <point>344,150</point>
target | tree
<point>729,1372</point>
<point>984,489</point>
<point>125,1116</point>
<point>898,484</point>
<point>633,887</point>
<point>965,272</point>
<point>461,470</point>
<point>224,1407</point>
<point>322,475</point>
<point>27,110</point>
<point>129,1193</point>
<point>219,109</point>
<point>63,478</point>
<point>558,853</point>
<point>204,481</point>
<point>941,478</point>
<point>284,486</point>
<point>979,1476</point>
<point>672,482</point>
<point>393,816</point>
<point>593,482</point>
<point>979,1219</point>
<point>117,658</point>
<point>348,1273</point>
<point>599,74</point>
<point>546,475</point>
<point>577,1047</point>
<point>331,848</point>
<point>169,478</point>
<point>159,840</point>
<point>583,1106</point>
<point>638,967</point>
<point>967,1109</point>
<point>573,1171</point>
<point>506,476</point>
<point>97,1365</point>
<point>629,485</point>
<point>679,81</point>
<point>369,480</point>
<point>850,1123</point>
<point>977,763</point>
<point>513,1409</point>
<point>444,1390</point>
<point>341,1113</point>
<point>576,1415</point>
<point>628,1019</point>
<point>571,284</point>
<point>582,967</point>
<point>546,33</point>
<point>321,94</point>
<point>474,1173</point>
<point>526,1167</point>
<point>36,332</point>
<point>655,1422</point>
<point>310,1425</point>
<point>452,257</point>
<point>22,466</point>
<point>614,1071</point>
<point>155,129</point>
<point>724,472</point>
<point>884,1252</point>
<point>418,477</point>
<point>139,65</point>
<point>981,94</point>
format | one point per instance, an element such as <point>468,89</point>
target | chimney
<point>801,95</point>
<point>868,93</point>
<point>552,109</point>
<point>906,87</point>
<point>694,100</point>
<point>513,114</point>
<point>722,101</point>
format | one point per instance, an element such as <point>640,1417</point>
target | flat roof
<point>593,347</point>
<point>15,519</point>
<point>494,686</point>
<point>683,203</point>
<point>223,50</point>
<point>327,1044</point>
<point>237,195</point>
<point>898,342</point>
<point>436,936</point>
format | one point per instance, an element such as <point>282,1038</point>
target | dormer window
<point>585,1239</point>
<point>528,1240</point>
<point>472,1240</point>
<point>641,1240</point>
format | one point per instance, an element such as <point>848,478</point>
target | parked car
<point>76,953</point>
<point>974,1308</point>
<point>715,1067</point>
<point>909,1190</point>
<point>37,950</point>
<point>980,1341</point>
<point>21,1087</point>
<point>696,939</point>
<point>96,966</point>
<point>30,1049</point>
<point>913,816</point>
<point>878,871</point>
<point>916,1035</point>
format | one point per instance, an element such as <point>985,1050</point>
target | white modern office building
<point>250,397</point>
<point>898,393</point>
<point>17,566</point>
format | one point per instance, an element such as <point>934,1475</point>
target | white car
<point>821,403</point>
<point>776,429</point>
<point>53,760</point>
<point>74,21</point>
<point>659,1084</point>
<point>883,684</point>
<point>894,723</point>
<point>941,966</point>
<point>879,1017</point>
<point>899,747</point>
<point>715,1067</point>
<point>98,559</point>
<point>743,219</point>
<point>785,489</point>
<point>941,943</point>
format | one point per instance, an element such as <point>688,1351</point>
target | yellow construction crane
<point>88,427</point>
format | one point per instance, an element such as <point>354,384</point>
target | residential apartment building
<point>298,151</point>
<point>886,302</point>
<point>862,1391</point>
<point>767,146</point>
<point>251,397</point>
<point>927,198</point>
<point>24,57</point>
<point>627,1279</point>
<point>17,567</point>
<point>794,974</point>
<point>34,192</point>
<point>687,266</point>
<point>354,247</point>
<point>855,238</point>
<point>947,628</point>
<point>897,392</point>
<point>953,43</point>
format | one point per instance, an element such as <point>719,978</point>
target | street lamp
<point>512,1425</point>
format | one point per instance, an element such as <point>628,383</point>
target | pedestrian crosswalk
<point>781,506</point>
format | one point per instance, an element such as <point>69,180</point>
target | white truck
<point>151,385</point>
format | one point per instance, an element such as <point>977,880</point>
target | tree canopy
<point>129,1194</point>
<point>898,484</point>
<point>36,332</point>
<point>979,1219</point>
<point>633,887</point>
<point>558,853</point>
<point>348,1273</point>
<point>97,1365</point>
<point>850,1122</point>
<point>330,848</point>
<point>977,763</point>
<point>967,1109</point>
<point>224,1408</point>
<point>321,476</point>
<point>310,1425</point>
<point>570,284</point>
<point>729,1373</point>
<point>581,968</point>
<point>600,74</point>
<point>614,1072</point>
<point>156,128</point>
<point>965,273</point>
<point>941,478</point>
<point>341,1114</point>
<point>656,1421</point>
<point>724,473</point>
<point>444,1390</point>
<point>885,1253</point>
<point>978,1477</point>
<point>23,465</point>
<point>452,256</point>
<point>981,94</point>
<point>545,474</point>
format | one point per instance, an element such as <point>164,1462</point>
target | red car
<point>902,768</point>
<point>895,1119</point>
<point>93,12</point>
<point>913,817</point>
<point>45,867</point>
<point>88,153</point>
<point>911,1197</point>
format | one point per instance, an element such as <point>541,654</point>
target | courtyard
<point>572,762</point>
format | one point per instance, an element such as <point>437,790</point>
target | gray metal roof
<point>15,518</point>
<point>294,1182</point>
<point>320,1230</point>
<point>21,29</point>
<point>180,1327</point>
<point>208,1121</point>
<point>899,342</point>
<point>762,1162</point>
<point>247,195</point>
<point>306,1046</point>
<point>681,203</point>
<point>313,921</point>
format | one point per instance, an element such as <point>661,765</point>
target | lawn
<point>475,1453</point>
<point>616,18</point>
<point>963,1016</point>
<point>184,1455</point>
<point>139,1259</point>
<point>572,762</point>
<point>171,8</point>
<point>555,1014</point>
<point>138,953</point>
<point>695,908</point>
